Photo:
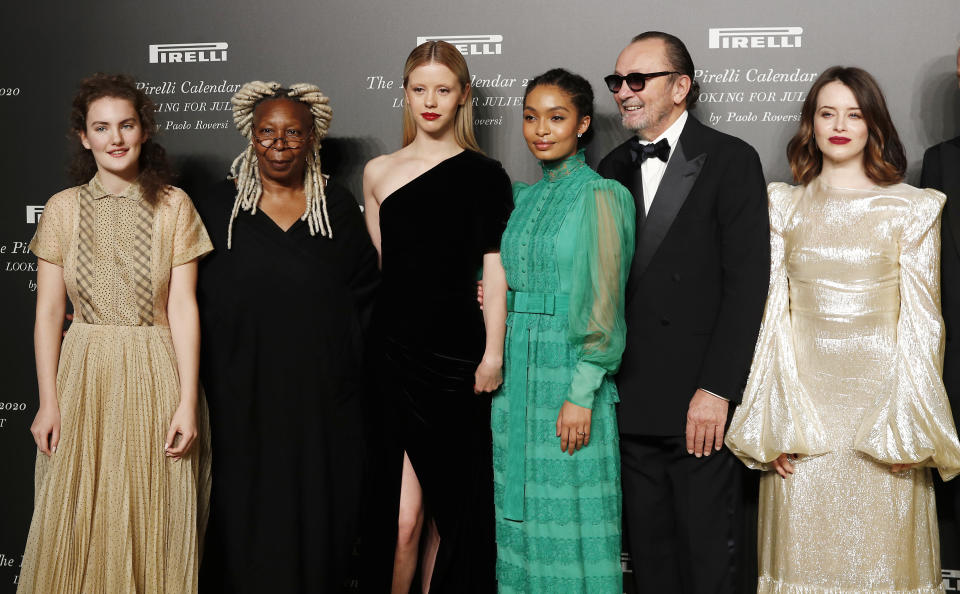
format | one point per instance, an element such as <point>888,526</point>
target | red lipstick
<point>429,115</point>
<point>839,139</point>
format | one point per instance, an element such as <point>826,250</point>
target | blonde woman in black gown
<point>436,209</point>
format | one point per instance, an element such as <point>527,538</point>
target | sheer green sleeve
<point>604,251</point>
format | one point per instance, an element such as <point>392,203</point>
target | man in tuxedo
<point>695,299</point>
<point>941,171</point>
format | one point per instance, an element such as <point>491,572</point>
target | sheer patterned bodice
<point>111,512</point>
<point>567,252</point>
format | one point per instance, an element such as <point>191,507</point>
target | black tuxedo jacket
<point>941,171</point>
<point>699,279</point>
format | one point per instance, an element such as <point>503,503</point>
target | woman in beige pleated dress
<point>845,408</point>
<point>119,501</point>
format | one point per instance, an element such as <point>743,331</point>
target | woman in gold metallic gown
<point>845,408</point>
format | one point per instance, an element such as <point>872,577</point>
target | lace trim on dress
<point>545,430</point>
<point>563,511</point>
<point>556,170</point>
<point>563,473</point>
<point>511,578</point>
<point>551,549</point>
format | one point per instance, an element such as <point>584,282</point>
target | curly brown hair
<point>156,173</point>
<point>884,160</point>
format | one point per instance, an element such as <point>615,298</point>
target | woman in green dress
<point>567,251</point>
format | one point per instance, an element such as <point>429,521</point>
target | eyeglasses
<point>292,139</point>
<point>635,80</point>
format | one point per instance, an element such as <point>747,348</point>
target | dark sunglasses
<point>635,80</point>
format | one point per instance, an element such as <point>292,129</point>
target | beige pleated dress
<point>112,514</point>
<point>847,372</point>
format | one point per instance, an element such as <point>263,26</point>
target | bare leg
<point>409,525</point>
<point>430,554</point>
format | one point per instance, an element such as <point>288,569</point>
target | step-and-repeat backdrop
<point>755,61</point>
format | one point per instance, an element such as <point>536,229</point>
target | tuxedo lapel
<point>678,180</point>
<point>950,165</point>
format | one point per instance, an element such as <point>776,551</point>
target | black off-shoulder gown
<point>282,319</point>
<point>434,233</point>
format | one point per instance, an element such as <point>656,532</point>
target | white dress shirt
<point>652,168</point>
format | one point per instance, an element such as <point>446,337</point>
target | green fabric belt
<point>518,337</point>
<point>537,303</point>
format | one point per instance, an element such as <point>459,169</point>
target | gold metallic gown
<point>847,373</point>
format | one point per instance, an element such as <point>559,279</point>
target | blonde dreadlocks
<point>244,169</point>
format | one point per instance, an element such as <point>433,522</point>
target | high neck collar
<point>561,168</point>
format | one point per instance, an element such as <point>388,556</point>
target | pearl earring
<point>579,134</point>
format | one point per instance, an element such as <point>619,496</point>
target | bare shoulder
<point>381,174</point>
<point>379,168</point>
<point>376,166</point>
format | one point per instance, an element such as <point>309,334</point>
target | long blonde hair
<point>441,52</point>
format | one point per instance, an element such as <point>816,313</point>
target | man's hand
<point>706,419</point>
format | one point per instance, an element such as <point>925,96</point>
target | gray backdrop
<point>755,60</point>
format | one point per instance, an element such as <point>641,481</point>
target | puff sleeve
<point>912,422</point>
<point>604,250</point>
<point>776,415</point>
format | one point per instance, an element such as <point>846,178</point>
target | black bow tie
<point>642,152</point>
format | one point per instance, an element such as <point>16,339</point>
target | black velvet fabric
<point>435,231</point>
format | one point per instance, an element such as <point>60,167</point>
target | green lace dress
<point>567,252</point>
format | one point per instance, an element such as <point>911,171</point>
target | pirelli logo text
<point>755,37</point>
<point>34,211</point>
<point>470,45</point>
<point>178,53</point>
<point>951,580</point>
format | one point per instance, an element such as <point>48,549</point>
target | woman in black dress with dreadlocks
<point>283,303</point>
